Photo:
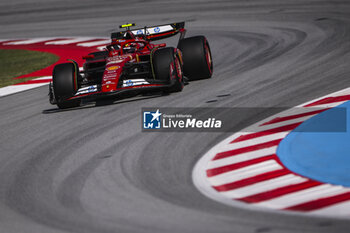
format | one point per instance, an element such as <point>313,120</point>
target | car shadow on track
<point>103,102</point>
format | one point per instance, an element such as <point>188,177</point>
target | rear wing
<point>154,32</point>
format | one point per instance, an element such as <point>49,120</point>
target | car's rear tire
<point>167,67</point>
<point>65,85</point>
<point>197,59</point>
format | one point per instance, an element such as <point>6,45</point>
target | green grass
<point>14,63</point>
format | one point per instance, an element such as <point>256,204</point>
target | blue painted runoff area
<point>319,148</point>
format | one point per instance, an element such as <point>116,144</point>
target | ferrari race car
<point>132,65</point>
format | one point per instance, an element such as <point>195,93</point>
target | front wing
<point>136,85</point>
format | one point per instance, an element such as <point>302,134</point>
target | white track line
<point>339,209</point>
<point>42,78</point>
<point>4,91</point>
<point>252,142</point>
<point>274,126</point>
<point>28,41</point>
<point>4,40</point>
<point>331,105</point>
<point>95,43</point>
<point>304,196</point>
<point>18,88</point>
<point>70,40</point>
<point>243,173</point>
<point>291,121</point>
<point>241,157</point>
<point>264,186</point>
<point>345,91</point>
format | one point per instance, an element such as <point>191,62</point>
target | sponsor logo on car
<point>115,59</point>
<point>156,29</point>
<point>134,82</point>
<point>111,68</point>
<point>114,62</point>
<point>86,90</point>
<point>108,76</point>
<point>129,83</point>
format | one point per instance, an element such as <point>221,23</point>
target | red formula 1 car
<point>132,65</point>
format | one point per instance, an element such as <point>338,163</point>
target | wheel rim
<point>208,57</point>
<point>171,70</point>
<point>178,69</point>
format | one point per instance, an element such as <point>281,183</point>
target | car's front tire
<point>167,67</point>
<point>65,85</point>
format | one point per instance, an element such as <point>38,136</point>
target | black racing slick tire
<point>65,85</point>
<point>167,67</point>
<point>197,59</point>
